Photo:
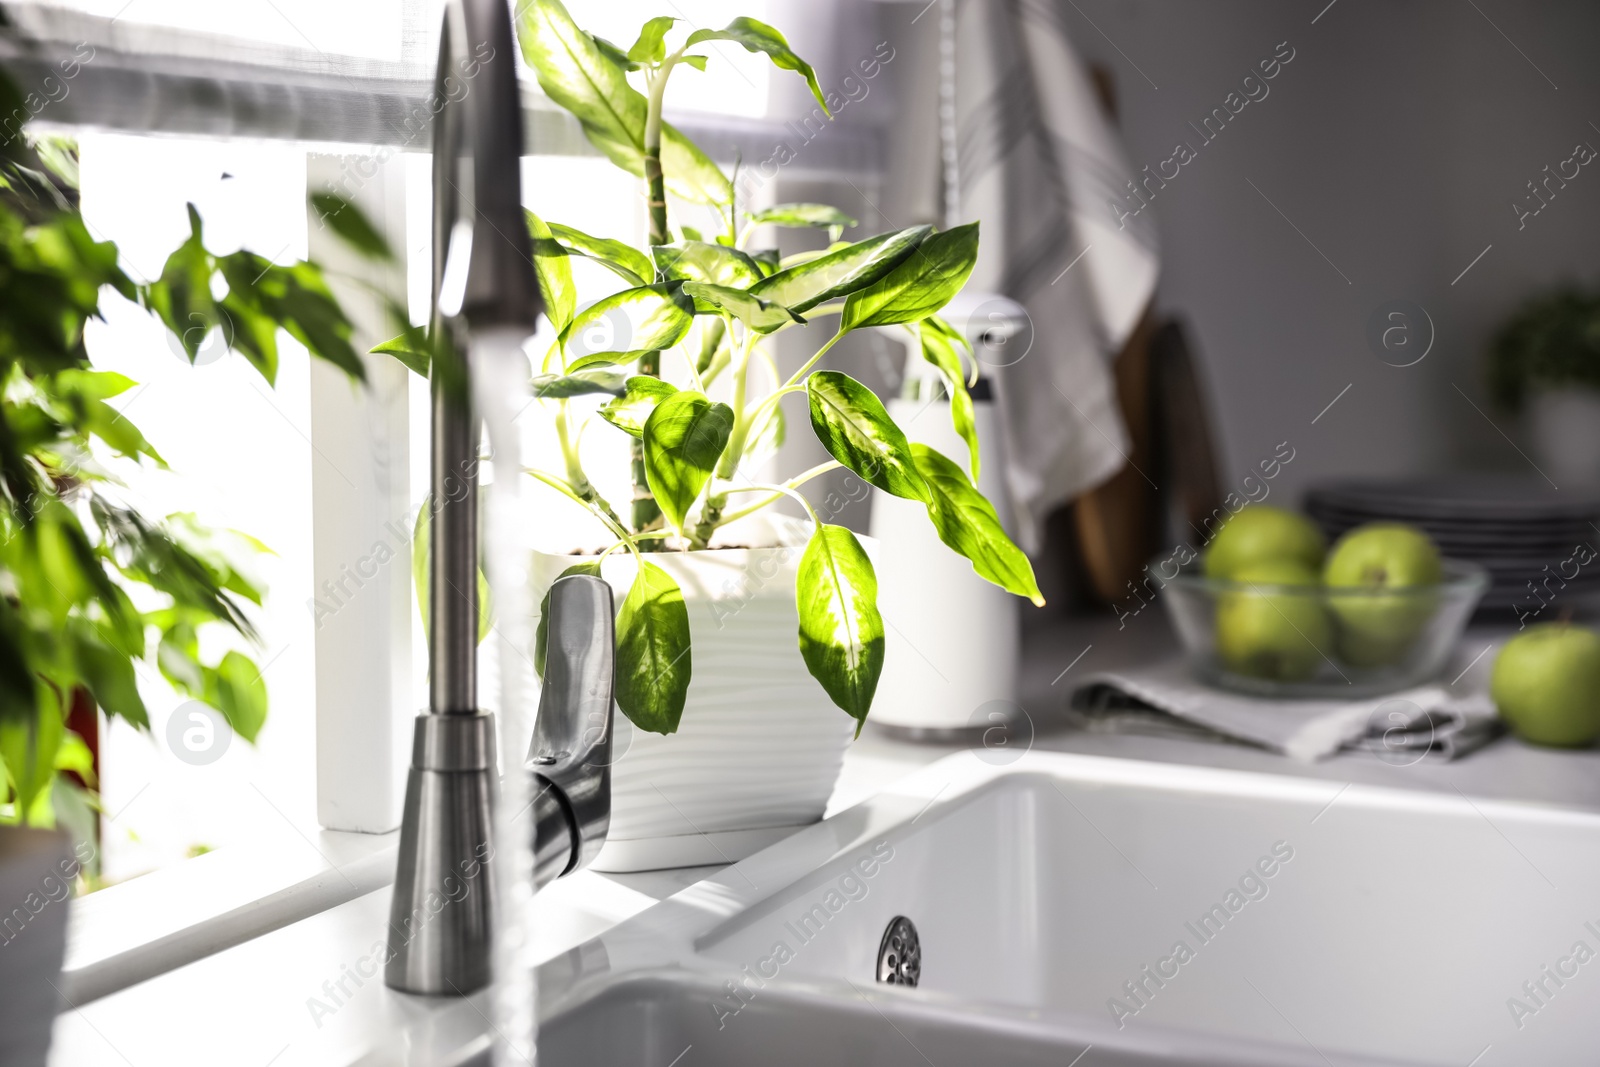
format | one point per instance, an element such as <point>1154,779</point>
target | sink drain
<point>900,953</point>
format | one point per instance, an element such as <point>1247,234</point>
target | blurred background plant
<point>95,595</point>
<point>1551,342</point>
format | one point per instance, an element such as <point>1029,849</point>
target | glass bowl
<point>1311,641</point>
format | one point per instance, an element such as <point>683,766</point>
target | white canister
<point>951,638</point>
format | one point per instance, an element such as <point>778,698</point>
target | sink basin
<point>1147,913</point>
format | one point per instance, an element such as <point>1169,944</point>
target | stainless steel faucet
<point>441,917</point>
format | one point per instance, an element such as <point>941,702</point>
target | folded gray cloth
<point>1439,721</point>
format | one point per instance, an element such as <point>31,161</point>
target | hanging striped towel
<point>1039,163</point>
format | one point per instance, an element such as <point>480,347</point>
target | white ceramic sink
<point>1364,926</point>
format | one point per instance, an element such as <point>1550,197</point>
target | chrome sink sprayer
<point>442,915</point>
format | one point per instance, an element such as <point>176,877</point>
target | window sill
<point>128,933</point>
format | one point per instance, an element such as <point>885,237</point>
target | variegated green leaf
<point>967,523</point>
<point>841,271</point>
<point>760,315</point>
<point>703,261</point>
<point>654,662</point>
<point>651,47</point>
<point>853,426</point>
<point>683,439</point>
<point>820,216</point>
<point>552,264</point>
<point>579,383</point>
<point>942,346</point>
<point>629,411</point>
<point>919,285</point>
<point>759,37</point>
<point>841,630</point>
<point>626,325</point>
<point>627,262</point>
<point>583,76</point>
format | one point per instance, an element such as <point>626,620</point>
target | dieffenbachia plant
<point>713,304</point>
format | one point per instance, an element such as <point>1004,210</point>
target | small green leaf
<point>841,631</point>
<point>762,316</point>
<point>541,632</point>
<point>110,677</point>
<point>919,285</point>
<point>967,523</point>
<point>411,349</point>
<point>841,271</point>
<point>626,325</point>
<point>235,688</point>
<point>759,37</point>
<point>654,662</point>
<point>28,748</point>
<point>629,411</point>
<point>613,53</point>
<point>767,259</point>
<point>683,439</point>
<point>702,261</point>
<point>628,263</point>
<point>820,216</point>
<point>942,346</point>
<point>553,267</point>
<point>651,47</point>
<point>351,225</point>
<point>853,426</point>
<point>695,61</point>
<point>579,383</point>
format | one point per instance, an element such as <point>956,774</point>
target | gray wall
<point>1395,140</point>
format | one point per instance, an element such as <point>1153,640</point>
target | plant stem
<point>793,483</point>
<point>741,424</point>
<point>778,490</point>
<point>655,179</point>
<point>579,481</point>
<point>794,379</point>
<point>645,510</point>
<point>602,513</point>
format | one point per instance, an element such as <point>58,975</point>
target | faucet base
<point>440,917</point>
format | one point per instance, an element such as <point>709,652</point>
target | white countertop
<point>277,999</point>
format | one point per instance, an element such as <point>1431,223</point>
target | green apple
<point>1261,533</point>
<point>1392,571</point>
<point>1546,683</point>
<point>1267,631</point>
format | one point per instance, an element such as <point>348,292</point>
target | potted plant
<point>1546,359</point>
<point>92,589</point>
<point>725,738</point>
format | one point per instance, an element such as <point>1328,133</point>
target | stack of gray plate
<point>1540,545</point>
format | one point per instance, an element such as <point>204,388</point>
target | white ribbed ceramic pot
<point>760,744</point>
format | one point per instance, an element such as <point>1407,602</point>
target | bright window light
<point>240,458</point>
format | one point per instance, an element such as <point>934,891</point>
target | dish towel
<point>1438,721</point>
<point>1038,162</point>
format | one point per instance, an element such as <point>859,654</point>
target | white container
<point>951,638</point>
<point>760,744</point>
<point>1565,424</point>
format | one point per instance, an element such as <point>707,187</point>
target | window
<point>242,453</point>
<point>239,452</point>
